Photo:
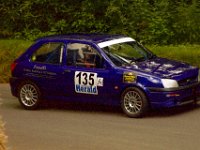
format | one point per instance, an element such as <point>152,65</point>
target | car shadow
<point>81,107</point>
<point>174,111</point>
<point>107,109</point>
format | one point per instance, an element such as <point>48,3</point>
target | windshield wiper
<point>152,56</point>
<point>140,59</point>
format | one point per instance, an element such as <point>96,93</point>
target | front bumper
<point>170,97</point>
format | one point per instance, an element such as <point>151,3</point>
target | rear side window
<point>50,53</point>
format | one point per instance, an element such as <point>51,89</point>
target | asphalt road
<point>64,126</point>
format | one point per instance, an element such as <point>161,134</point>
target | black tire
<point>134,102</point>
<point>29,95</point>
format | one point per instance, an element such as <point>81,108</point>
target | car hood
<point>165,68</point>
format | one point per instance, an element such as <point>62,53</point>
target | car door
<point>46,67</point>
<point>87,74</point>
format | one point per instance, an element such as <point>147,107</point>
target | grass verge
<point>9,51</point>
<point>3,137</point>
<point>185,53</point>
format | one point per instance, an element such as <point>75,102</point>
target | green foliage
<point>159,27</point>
<point>153,21</point>
<point>9,51</point>
<point>187,25</point>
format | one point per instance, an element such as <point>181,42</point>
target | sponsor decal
<point>40,67</point>
<point>39,71</point>
<point>87,82</point>
<point>129,77</point>
<point>115,41</point>
<point>100,82</point>
<point>86,89</point>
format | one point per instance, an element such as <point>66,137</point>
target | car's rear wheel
<point>134,102</point>
<point>29,95</point>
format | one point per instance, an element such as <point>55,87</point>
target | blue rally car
<point>106,69</point>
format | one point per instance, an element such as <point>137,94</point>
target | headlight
<point>169,83</point>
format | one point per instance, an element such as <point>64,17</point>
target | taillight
<point>13,65</point>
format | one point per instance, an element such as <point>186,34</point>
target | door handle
<point>67,71</point>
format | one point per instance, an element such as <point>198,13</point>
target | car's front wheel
<point>29,95</point>
<point>134,102</point>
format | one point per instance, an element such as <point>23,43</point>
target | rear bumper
<point>170,97</point>
<point>14,82</point>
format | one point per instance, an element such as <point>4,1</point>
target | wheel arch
<point>140,87</point>
<point>29,94</point>
<point>24,80</point>
<point>134,106</point>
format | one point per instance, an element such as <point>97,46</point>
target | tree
<point>152,21</point>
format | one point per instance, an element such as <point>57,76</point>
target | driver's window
<point>83,55</point>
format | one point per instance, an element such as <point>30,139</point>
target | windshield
<point>127,53</point>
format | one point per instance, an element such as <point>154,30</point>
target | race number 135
<point>85,78</point>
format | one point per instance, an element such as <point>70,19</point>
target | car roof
<point>91,37</point>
